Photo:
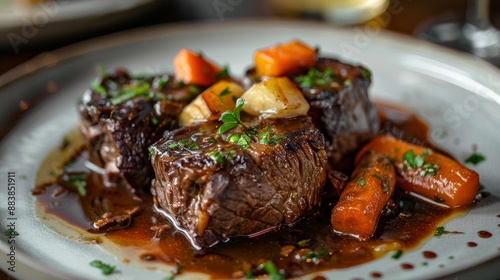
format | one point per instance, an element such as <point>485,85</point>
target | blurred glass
<point>341,12</point>
<point>475,35</point>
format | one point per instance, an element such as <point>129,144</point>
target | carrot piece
<point>453,184</point>
<point>285,59</point>
<point>192,68</point>
<point>364,197</point>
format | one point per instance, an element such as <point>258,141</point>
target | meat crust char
<point>344,113</point>
<point>254,189</point>
<point>119,132</point>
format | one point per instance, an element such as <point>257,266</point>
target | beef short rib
<point>123,115</point>
<point>215,189</point>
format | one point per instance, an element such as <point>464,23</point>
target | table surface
<point>412,15</point>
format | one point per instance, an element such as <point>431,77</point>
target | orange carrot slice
<point>285,59</point>
<point>192,68</point>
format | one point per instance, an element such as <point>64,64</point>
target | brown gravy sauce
<point>138,243</point>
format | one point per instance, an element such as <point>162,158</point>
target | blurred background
<point>31,27</point>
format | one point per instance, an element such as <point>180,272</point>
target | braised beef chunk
<point>340,108</point>
<point>338,95</point>
<point>122,116</point>
<point>215,189</point>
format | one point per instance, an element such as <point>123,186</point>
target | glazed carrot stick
<point>192,68</point>
<point>426,172</point>
<point>284,59</point>
<point>364,197</point>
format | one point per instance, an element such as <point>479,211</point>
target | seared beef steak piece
<point>215,189</point>
<point>122,116</point>
<point>340,108</point>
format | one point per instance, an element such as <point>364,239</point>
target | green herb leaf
<point>377,176</point>
<point>366,73</point>
<point>231,119</point>
<point>76,182</point>
<point>228,117</point>
<point>98,88</point>
<point>439,231</point>
<point>244,141</point>
<point>194,90</point>
<point>304,242</point>
<point>475,158</point>
<point>226,126</point>
<point>150,152</point>
<point>187,144</point>
<point>315,78</point>
<point>106,269</point>
<point>362,181</point>
<point>409,157</point>
<point>347,82</point>
<point>154,121</point>
<point>10,232</point>
<point>224,73</point>
<point>397,254</point>
<point>271,270</point>
<point>219,157</point>
<point>249,274</point>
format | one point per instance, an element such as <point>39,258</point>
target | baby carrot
<point>364,197</point>
<point>426,172</point>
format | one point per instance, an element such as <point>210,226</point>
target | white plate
<point>432,81</point>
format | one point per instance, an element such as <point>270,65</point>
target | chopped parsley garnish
<point>159,82</point>
<point>150,152</point>
<point>366,73</point>
<point>397,254</point>
<point>241,140</point>
<point>315,78</point>
<point>362,181</point>
<point>314,256</point>
<point>76,182</point>
<point>194,90</point>
<point>267,138</point>
<point>175,272</point>
<point>10,232</point>
<point>154,121</point>
<point>377,176</point>
<point>224,92</point>
<point>271,270</point>
<point>347,82</point>
<point>413,161</point>
<point>130,91</point>
<point>98,88</point>
<point>224,73</point>
<point>439,231</point>
<point>304,242</point>
<point>188,144</point>
<point>475,158</point>
<point>231,119</point>
<point>249,274</point>
<point>219,157</point>
<point>106,269</point>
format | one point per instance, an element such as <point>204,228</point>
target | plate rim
<point>136,35</point>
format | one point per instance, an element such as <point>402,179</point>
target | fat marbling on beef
<point>215,189</point>
<point>123,115</point>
